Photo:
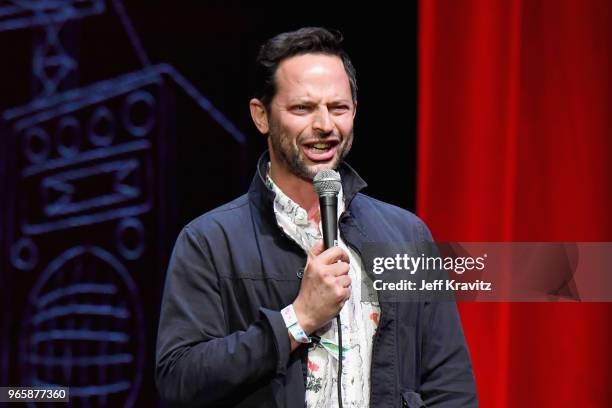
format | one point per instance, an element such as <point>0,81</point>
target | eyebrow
<point>307,101</point>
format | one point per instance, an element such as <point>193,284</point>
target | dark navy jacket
<point>223,343</point>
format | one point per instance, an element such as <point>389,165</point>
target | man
<point>247,317</point>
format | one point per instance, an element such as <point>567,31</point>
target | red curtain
<point>515,144</point>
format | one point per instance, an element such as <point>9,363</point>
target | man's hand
<point>325,287</point>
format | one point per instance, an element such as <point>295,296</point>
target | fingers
<point>317,248</point>
<point>344,281</point>
<point>338,269</point>
<point>333,255</point>
<point>344,294</point>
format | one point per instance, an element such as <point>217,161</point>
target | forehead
<point>312,75</point>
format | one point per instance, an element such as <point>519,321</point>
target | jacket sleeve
<point>197,361</point>
<point>447,379</point>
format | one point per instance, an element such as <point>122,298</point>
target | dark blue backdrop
<point>121,122</point>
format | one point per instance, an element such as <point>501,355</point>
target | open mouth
<point>320,150</point>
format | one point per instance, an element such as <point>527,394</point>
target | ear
<point>259,115</point>
<point>354,109</point>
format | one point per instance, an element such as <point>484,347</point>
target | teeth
<point>320,146</point>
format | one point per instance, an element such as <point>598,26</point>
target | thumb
<point>317,248</point>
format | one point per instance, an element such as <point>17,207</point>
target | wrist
<point>293,325</point>
<point>302,317</point>
<point>293,344</point>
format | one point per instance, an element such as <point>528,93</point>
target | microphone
<point>327,185</point>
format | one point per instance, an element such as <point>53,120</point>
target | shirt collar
<point>263,197</point>
<point>290,208</point>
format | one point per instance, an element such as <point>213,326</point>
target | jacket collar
<point>263,198</point>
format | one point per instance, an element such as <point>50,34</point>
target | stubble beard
<point>288,151</point>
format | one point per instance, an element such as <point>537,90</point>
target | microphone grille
<point>327,181</point>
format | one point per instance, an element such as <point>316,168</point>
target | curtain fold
<point>515,144</point>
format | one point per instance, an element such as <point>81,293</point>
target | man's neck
<point>299,190</point>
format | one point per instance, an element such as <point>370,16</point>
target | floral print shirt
<point>359,320</point>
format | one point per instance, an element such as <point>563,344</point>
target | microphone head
<point>327,182</point>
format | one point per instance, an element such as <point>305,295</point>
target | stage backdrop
<point>120,122</point>
<point>514,144</point>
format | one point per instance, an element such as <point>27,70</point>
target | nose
<point>322,122</point>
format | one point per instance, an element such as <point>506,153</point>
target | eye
<point>340,108</point>
<point>300,108</point>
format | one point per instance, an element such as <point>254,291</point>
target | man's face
<point>311,115</point>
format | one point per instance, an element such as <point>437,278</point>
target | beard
<point>288,151</point>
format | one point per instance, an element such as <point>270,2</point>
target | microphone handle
<point>328,205</point>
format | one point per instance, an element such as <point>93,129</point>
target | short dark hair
<point>307,40</point>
